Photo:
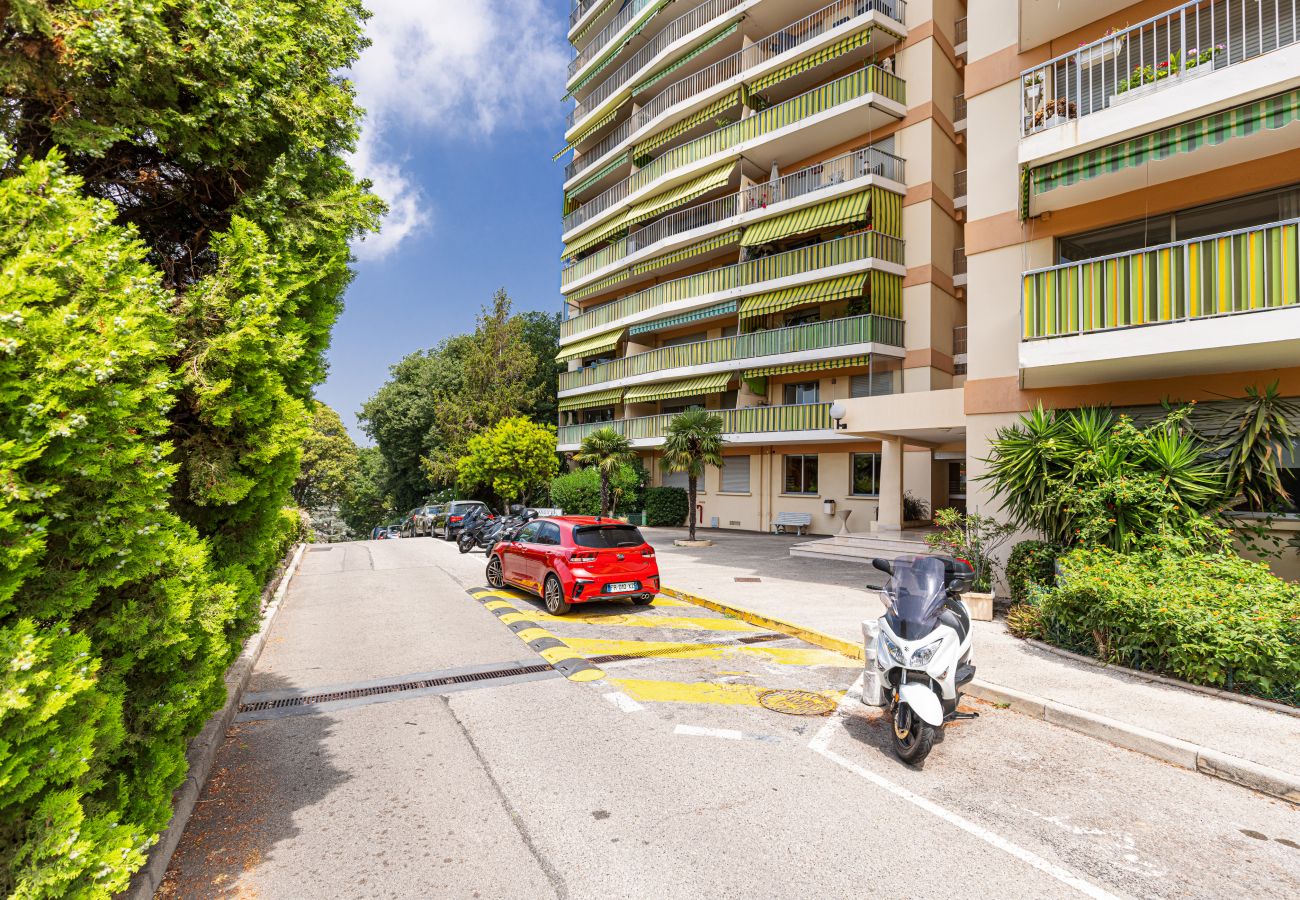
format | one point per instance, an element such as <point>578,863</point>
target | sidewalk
<point>833,597</point>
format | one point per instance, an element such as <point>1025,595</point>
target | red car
<point>576,559</point>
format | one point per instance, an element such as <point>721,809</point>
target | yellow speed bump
<point>790,656</point>
<point>704,692</point>
<point>559,655</point>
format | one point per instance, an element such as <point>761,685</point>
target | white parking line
<point>730,734</point>
<point>623,701</point>
<point>821,744</point>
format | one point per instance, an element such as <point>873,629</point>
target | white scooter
<point>918,654</point>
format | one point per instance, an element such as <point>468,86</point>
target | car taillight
<point>583,558</point>
<point>648,553</point>
<point>454,518</point>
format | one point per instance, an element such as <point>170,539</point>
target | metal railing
<point>748,420</point>
<point>1186,42</point>
<point>959,183</point>
<point>579,8</point>
<point>958,108</point>
<point>959,340</point>
<point>1248,270</point>
<point>613,27</point>
<point>958,261</point>
<point>844,332</point>
<point>871,79</point>
<point>853,248</point>
<point>959,31</point>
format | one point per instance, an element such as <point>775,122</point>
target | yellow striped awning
<point>594,399</point>
<point>817,292</point>
<point>680,194</point>
<point>840,211</point>
<point>591,179</point>
<point>598,286</point>
<point>591,346</point>
<point>595,236</point>
<point>887,211</point>
<point>587,132</point>
<point>686,387</point>
<point>825,54</point>
<point>847,362</point>
<point>684,59</point>
<point>696,249</point>
<point>709,112</point>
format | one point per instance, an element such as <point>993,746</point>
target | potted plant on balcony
<point>1144,80</point>
<point>1033,86</point>
<point>1102,50</point>
<point>1055,112</point>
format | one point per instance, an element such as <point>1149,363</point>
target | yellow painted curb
<point>849,649</point>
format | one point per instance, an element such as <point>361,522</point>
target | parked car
<point>447,522</point>
<point>576,559</point>
<point>407,528</point>
<point>424,517</point>
<point>386,532</point>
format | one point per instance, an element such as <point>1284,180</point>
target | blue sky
<point>464,113</point>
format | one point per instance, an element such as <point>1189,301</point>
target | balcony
<point>959,112</point>
<point>1196,58</point>
<point>959,189</point>
<point>871,87</point>
<point>639,11</point>
<point>959,350</point>
<point>959,266</point>
<point>858,169</point>
<point>756,424</point>
<point>1227,302</point>
<point>959,37</point>
<point>829,259</point>
<point>851,336</point>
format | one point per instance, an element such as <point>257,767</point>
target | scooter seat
<point>955,619</point>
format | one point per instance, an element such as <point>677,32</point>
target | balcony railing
<point>959,31</point>
<point>613,27</point>
<point>1250,270</point>
<point>1186,42</point>
<point>854,248</point>
<point>578,9</point>
<point>813,336</point>
<point>958,108</point>
<point>846,169</point>
<point>958,261</point>
<point>959,183</point>
<point>750,420</point>
<point>871,79</point>
<point>959,340</point>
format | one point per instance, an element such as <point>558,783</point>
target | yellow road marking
<point>636,621</point>
<point>499,604</point>
<point>661,600</point>
<point>790,656</point>
<point>557,654</point>
<point>699,692</point>
<point>511,618</point>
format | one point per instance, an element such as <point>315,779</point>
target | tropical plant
<point>606,449</point>
<point>915,509</point>
<point>692,441</point>
<point>513,459</point>
<point>1252,435</point>
<point>974,538</point>
<point>1030,563</point>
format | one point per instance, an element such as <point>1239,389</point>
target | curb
<point>202,750</point>
<point>1185,755</point>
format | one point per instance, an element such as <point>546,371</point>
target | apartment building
<point>763,216</point>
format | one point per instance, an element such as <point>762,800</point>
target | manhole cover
<point>797,703</point>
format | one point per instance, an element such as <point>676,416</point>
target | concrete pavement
<point>667,775</point>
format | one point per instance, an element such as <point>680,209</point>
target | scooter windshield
<point>915,596</point>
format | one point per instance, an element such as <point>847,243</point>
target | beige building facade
<point>871,232</point>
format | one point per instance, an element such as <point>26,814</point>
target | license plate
<point>622,586</point>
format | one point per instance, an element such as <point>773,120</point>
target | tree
<point>329,461</point>
<point>542,334</point>
<point>368,501</point>
<point>513,458</point>
<point>693,441</point>
<point>606,449</point>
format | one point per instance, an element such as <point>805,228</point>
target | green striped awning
<point>713,110</point>
<point>591,346</point>
<point>577,38</point>
<point>598,286</point>
<point>840,211</point>
<point>686,387</point>
<point>611,53</point>
<point>592,400</point>
<point>1208,131</point>
<point>847,362</point>
<point>592,179</point>
<point>696,249</point>
<point>680,194</point>
<point>720,309</point>
<point>886,294</point>
<point>886,211</point>
<point>825,54</point>
<point>683,60</point>
<point>817,292</point>
<point>587,132</point>
<point>595,236</point>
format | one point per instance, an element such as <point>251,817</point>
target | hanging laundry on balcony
<point>681,194</point>
<point>592,400</point>
<point>686,387</point>
<point>601,343</point>
<point>827,214</point>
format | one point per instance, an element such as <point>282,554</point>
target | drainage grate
<point>762,638</point>
<point>312,699</point>
<point>797,703</point>
<point>746,580</point>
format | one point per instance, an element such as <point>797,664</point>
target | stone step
<point>851,553</point>
<point>911,545</point>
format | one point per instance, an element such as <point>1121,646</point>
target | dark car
<point>407,528</point>
<point>576,559</point>
<point>424,517</point>
<point>447,522</point>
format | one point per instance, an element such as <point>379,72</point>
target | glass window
<point>602,414</point>
<point>728,400</point>
<point>1116,239</point>
<point>957,480</point>
<point>607,536</point>
<point>684,339</point>
<point>548,533</point>
<point>675,479</point>
<point>682,403</point>
<point>866,475</point>
<point>801,474</point>
<point>805,392</point>
<point>529,533</point>
<point>735,474</point>
<point>802,317</point>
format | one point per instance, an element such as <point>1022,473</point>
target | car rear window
<point>607,536</point>
<point>464,507</point>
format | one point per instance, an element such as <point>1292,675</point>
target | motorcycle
<point>507,528</point>
<point>918,654</point>
<point>473,528</point>
<point>486,531</point>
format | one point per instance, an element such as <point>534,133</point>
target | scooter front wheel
<point>913,738</point>
<point>465,544</point>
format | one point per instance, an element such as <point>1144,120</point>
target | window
<point>529,533</point>
<point>548,533</point>
<point>603,414</point>
<point>806,392</point>
<point>874,385</point>
<point>604,537</point>
<point>957,480</point>
<point>684,339</point>
<point>728,400</point>
<point>801,474</point>
<point>866,475</point>
<point>735,474</point>
<point>675,479</point>
<point>682,403</point>
<point>802,317</point>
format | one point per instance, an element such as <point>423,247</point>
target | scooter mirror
<point>883,565</point>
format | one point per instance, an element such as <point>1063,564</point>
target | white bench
<point>797,521</point>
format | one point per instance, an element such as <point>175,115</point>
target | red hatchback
<point>576,559</point>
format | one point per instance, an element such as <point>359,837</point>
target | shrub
<point>666,507</point>
<point>974,538</point>
<point>915,509</point>
<point>1025,620</point>
<point>1207,617</point>
<point>578,492</point>
<point>1031,562</point>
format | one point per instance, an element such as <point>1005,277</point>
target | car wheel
<point>553,597</point>
<point>494,576</point>
<point>448,536</point>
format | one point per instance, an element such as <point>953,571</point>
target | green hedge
<point>666,507</point>
<point>1209,618</point>
<point>578,492</point>
<point>1031,562</point>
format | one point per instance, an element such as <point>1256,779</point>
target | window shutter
<point>675,479</point>
<point>735,474</point>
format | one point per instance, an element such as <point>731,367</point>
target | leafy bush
<point>578,492</point>
<point>974,538</point>
<point>1031,562</point>
<point>915,509</point>
<point>1207,617</point>
<point>666,507</point>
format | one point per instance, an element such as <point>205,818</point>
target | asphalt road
<point>442,756</point>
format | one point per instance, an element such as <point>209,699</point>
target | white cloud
<point>449,69</point>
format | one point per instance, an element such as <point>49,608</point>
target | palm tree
<point>606,449</point>
<point>694,440</point>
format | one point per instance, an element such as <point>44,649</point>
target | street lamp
<point>838,412</point>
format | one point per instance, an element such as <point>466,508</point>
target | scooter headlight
<point>921,657</point>
<point>894,652</point>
